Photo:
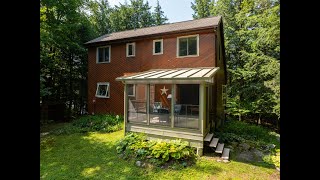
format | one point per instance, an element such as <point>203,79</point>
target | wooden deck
<point>194,137</point>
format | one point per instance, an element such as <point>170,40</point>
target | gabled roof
<point>178,75</point>
<point>202,23</point>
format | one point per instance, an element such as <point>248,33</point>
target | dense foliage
<point>63,66</point>
<point>136,14</point>
<point>240,131</point>
<point>65,25</point>
<point>256,136</point>
<point>252,44</point>
<point>158,152</point>
<point>90,123</point>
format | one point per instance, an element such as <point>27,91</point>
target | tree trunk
<point>259,120</point>
<point>239,117</point>
<point>70,86</point>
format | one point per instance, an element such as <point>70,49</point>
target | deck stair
<point>219,149</point>
<point>225,154</point>
<point>217,146</point>
<point>208,137</point>
<point>214,142</point>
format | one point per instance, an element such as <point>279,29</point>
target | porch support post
<point>201,107</point>
<point>125,108</point>
<point>173,97</point>
<point>148,104</point>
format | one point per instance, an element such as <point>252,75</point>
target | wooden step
<point>208,137</point>
<point>219,148</point>
<point>225,154</point>
<point>214,142</point>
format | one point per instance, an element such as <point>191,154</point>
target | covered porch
<point>170,103</point>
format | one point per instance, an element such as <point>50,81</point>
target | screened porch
<point>168,99</point>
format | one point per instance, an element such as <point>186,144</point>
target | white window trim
<point>97,54</point>
<point>108,89</point>
<point>154,47</point>
<point>198,49</point>
<point>134,49</point>
<point>134,91</point>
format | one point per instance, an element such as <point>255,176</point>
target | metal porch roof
<point>178,75</point>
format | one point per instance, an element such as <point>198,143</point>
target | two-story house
<point>166,80</point>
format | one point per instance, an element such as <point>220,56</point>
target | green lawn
<point>93,156</point>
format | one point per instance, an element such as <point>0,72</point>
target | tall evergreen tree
<point>100,17</point>
<point>63,58</point>
<point>121,17</point>
<point>201,8</point>
<point>158,15</point>
<point>142,16</point>
<point>137,14</point>
<point>252,41</point>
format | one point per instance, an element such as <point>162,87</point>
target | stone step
<point>208,137</point>
<point>219,148</point>
<point>225,154</point>
<point>214,142</point>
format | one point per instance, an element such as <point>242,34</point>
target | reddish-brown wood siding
<point>143,60</point>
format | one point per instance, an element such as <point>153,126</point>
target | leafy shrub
<point>237,131</point>
<point>247,131</point>
<point>229,137</point>
<point>175,149</point>
<point>255,136</point>
<point>134,139</point>
<point>100,122</point>
<point>273,158</point>
<point>157,151</point>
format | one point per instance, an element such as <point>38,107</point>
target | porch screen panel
<point>160,104</point>
<point>186,106</point>
<point>137,105</point>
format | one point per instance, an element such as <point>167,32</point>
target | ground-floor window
<point>103,90</point>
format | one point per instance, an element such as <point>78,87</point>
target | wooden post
<point>201,107</point>
<point>148,104</point>
<point>173,97</point>
<point>199,151</point>
<point>125,105</point>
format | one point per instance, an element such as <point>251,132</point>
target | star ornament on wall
<point>164,90</point>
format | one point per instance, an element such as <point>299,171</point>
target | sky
<point>175,10</point>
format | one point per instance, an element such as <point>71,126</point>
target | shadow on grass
<point>78,156</point>
<point>94,156</point>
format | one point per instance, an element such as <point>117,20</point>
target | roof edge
<point>186,30</point>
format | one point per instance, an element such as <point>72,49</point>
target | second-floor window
<point>188,46</point>
<point>131,49</point>
<point>103,54</point>
<point>157,47</point>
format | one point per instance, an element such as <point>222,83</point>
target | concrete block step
<point>225,154</point>
<point>208,137</point>
<point>219,148</point>
<point>214,142</point>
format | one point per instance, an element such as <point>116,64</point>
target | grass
<point>93,155</point>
